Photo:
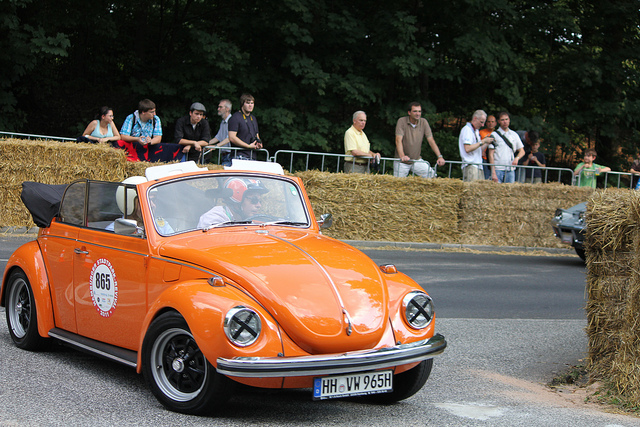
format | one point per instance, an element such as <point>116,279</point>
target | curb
<point>417,245</point>
<point>19,230</point>
<point>379,244</point>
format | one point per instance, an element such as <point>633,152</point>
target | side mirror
<point>127,227</point>
<point>325,220</point>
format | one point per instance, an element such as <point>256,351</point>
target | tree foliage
<point>567,68</point>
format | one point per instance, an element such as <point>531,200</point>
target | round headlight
<point>418,309</point>
<point>242,326</point>
<point>558,215</point>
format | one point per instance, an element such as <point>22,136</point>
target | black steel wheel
<point>405,384</point>
<point>177,372</point>
<point>21,313</point>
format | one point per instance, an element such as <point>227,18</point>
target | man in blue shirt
<point>141,135</point>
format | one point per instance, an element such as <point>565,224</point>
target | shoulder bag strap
<point>506,141</point>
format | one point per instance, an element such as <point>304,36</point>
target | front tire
<point>581,254</point>
<point>405,384</point>
<point>177,372</point>
<point>21,313</point>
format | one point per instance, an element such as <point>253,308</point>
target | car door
<point>57,243</point>
<point>109,274</point>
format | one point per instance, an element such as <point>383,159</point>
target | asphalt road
<point>511,322</point>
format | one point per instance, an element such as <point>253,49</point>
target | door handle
<point>80,251</point>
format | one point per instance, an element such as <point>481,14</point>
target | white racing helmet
<point>131,194</point>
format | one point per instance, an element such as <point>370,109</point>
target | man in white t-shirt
<point>470,146</point>
<point>505,151</point>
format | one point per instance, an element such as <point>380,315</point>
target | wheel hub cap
<point>178,364</point>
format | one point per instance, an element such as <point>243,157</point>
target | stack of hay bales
<point>515,214</point>
<point>364,207</point>
<point>51,162</point>
<point>54,162</point>
<point>381,207</point>
<point>613,289</point>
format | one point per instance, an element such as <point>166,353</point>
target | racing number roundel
<point>104,287</point>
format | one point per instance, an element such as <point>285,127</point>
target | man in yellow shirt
<point>357,144</point>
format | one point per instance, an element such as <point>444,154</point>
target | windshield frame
<point>296,197</point>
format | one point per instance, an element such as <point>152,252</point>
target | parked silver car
<point>569,226</point>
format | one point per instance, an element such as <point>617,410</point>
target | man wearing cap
<point>193,132</point>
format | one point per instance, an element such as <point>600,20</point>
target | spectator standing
<point>635,171</point>
<point>141,135</point>
<point>356,143</point>
<point>471,145</point>
<point>222,137</point>
<point>102,129</point>
<point>534,158</point>
<point>490,126</point>
<point>505,152</point>
<point>411,130</point>
<point>528,138</point>
<point>193,132</point>
<point>588,170</point>
<point>243,129</point>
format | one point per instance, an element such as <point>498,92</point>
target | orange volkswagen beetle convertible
<point>205,279</point>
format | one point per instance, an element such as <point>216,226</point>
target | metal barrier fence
<point>292,160</point>
<point>619,175</point>
<point>33,136</point>
<point>305,160</point>
<point>568,179</point>
<point>263,154</point>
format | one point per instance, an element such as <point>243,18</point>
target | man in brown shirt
<point>411,130</point>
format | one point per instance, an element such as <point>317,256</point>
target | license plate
<point>352,385</point>
<point>567,237</point>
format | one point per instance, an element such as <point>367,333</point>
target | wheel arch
<point>202,306</point>
<point>28,258</point>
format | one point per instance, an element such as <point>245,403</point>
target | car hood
<point>327,296</point>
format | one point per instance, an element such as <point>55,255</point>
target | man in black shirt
<point>243,129</point>
<point>193,132</point>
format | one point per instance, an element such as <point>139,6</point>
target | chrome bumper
<point>342,363</point>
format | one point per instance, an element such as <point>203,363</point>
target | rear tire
<point>177,372</point>
<point>405,384</point>
<point>22,319</point>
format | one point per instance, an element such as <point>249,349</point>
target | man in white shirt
<point>222,137</point>
<point>471,146</point>
<point>505,151</point>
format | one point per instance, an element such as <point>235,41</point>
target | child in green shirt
<point>588,170</point>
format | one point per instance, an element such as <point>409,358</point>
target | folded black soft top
<point>42,200</point>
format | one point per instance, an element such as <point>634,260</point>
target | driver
<point>243,202</point>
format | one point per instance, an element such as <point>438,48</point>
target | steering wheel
<point>263,218</point>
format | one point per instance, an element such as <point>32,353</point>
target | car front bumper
<point>342,363</point>
<point>569,235</point>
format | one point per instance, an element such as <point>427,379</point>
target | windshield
<point>207,202</point>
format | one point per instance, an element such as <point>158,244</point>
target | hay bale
<point>515,214</point>
<point>382,207</point>
<point>613,289</point>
